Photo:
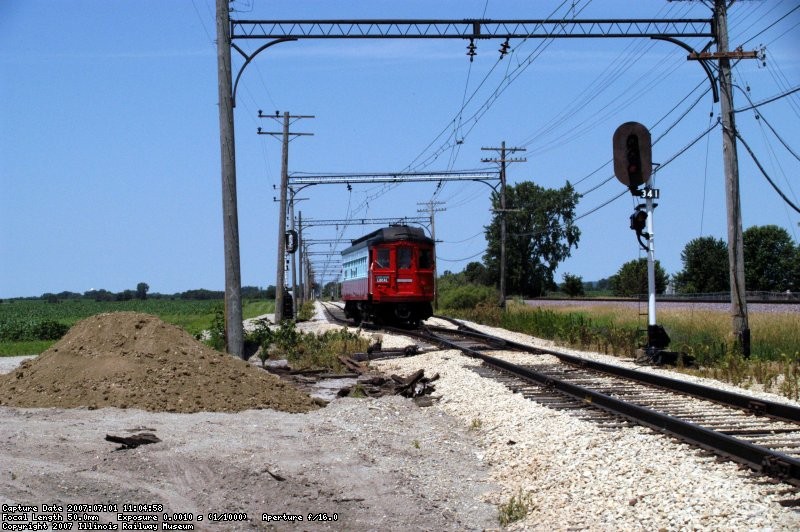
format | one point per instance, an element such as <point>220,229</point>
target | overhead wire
<point>759,116</point>
<point>612,73</point>
<point>769,100</point>
<point>780,139</point>
<point>766,176</point>
<point>657,139</point>
<point>705,174</point>
<point>738,18</point>
<point>626,191</point>
<point>661,136</point>
<point>481,252</point>
<point>770,26</point>
<point>428,160</point>
<point>661,167</point>
<point>449,139</point>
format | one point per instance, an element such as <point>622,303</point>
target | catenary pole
<point>741,330</point>
<point>295,297</point>
<point>281,271</point>
<point>280,275</point>
<point>431,210</point>
<point>300,257</point>
<point>230,219</point>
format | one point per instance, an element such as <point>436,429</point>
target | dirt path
<point>376,464</point>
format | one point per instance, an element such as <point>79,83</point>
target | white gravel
<point>573,474</point>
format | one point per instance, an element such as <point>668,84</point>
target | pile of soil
<point>134,360</point>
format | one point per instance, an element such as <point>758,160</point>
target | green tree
<point>99,295</point>
<point>125,295</point>
<point>476,273</point>
<point>540,234</point>
<point>705,267</point>
<point>449,281</point>
<point>141,291</point>
<point>572,285</point>
<point>770,259</point>
<point>631,279</point>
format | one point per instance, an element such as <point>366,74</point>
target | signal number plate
<point>651,193</point>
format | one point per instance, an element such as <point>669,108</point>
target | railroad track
<point>762,435</point>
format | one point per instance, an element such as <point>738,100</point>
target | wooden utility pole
<point>294,255</point>
<point>300,256</point>
<point>234,332</point>
<point>431,209</point>
<point>286,136</point>
<point>741,330</point>
<point>502,160</point>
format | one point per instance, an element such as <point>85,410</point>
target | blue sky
<point>109,150</point>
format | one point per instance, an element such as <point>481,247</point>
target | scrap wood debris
<point>352,365</point>
<point>133,441</point>
<point>415,385</point>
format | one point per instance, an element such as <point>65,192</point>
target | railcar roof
<point>394,233</point>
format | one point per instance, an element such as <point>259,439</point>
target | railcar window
<point>403,258</point>
<point>425,259</point>
<point>383,258</point>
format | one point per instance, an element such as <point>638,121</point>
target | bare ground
<point>233,440</point>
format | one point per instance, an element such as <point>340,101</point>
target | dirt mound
<point>133,360</point>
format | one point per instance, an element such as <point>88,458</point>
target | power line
<point>773,24</point>
<point>758,164</point>
<point>465,258</point>
<point>671,159</point>
<point>769,100</point>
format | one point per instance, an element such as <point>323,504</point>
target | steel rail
<point>761,459</point>
<point>758,458</point>
<point>756,406</point>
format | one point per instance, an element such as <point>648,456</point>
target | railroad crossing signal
<point>632,154</point>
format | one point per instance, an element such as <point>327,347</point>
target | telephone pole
<point>741,329</point>
<point>503,161</point>
<point>431,209</point>
<point>234,331</point>
<point>287,136</point>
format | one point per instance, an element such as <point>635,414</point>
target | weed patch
<point>515,509</point>
<point>306,350</point>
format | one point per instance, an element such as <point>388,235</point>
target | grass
<point>19,317</point>
<point>29,347</point>
<point>618,330</point>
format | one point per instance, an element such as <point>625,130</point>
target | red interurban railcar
<point>387,276</point>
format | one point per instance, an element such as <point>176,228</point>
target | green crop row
<point>30,326</point>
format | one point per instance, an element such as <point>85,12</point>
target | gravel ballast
<point>574,474</point>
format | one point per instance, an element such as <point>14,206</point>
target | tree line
<point>541,234</point>
<point>142,292</point>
